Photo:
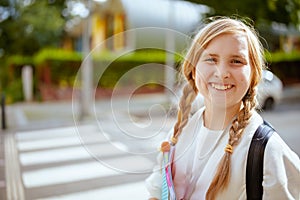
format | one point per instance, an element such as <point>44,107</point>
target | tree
<point>263,13</point>
<point>260,11</point>
<point>27,26</point>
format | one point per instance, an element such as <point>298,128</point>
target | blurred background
<point>71,69</point>
<point>50,37</point>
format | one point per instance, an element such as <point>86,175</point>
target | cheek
<point>201,75</point>
<point>245,78</point>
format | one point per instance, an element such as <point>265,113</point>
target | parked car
<point>269,93</point>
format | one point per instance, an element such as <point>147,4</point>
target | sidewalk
<point>29,116</point>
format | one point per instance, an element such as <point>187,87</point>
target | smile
<point>221,87</point>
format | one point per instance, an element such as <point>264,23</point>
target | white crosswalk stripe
<point>124,191</point>
<point>79,163</point>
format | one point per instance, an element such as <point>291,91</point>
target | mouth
<point>222,87</point>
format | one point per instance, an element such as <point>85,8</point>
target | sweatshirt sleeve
<point>281,171</point>
<point>154,181</point>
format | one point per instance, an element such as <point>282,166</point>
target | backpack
<point>255,161</point>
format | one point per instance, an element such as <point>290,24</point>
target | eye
<point>211,60</point>
<point>236,61</point>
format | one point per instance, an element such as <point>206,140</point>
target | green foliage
<point>277,57</point>
<point>44,23</point>
<point>285,66</point>
<point>28,28</point>
<point>56,55</point>
<point>124,69</point>
<point>64,66</point>
<point>14,91</point>
<point>145,55</point>
<point>282,11</point>
<point>19,60</point>
<point>128,73</point>
<point>261,14</point>
<point>114,68</point>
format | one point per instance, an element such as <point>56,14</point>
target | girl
<point>224,64</point>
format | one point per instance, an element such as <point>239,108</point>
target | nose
<point>222,71</point>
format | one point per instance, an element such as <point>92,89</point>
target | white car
<point>269,93</point>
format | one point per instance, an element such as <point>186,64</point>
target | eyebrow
<point>232,56</point>
<point>239,56</point>
<point>210,54</point>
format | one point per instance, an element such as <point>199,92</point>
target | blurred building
<point>125,20</point>
<point>289,37</point>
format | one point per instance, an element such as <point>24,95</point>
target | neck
<point>218,118</point>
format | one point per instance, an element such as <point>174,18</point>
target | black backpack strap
<point>255,161</point>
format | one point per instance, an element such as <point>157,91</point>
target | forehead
<point>228,44</point>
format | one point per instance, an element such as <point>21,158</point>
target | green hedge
<point>56,55</point>
<point>276,57</point>
<point>19,60</point>
<point>64,66</point>
<point>115,64</point>
<point>285,65</point>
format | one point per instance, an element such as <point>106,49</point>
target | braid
<point>222,176</point>
<point>189,94</point>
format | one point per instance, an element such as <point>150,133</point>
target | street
<point>107,159</point>
<point>285,119</point>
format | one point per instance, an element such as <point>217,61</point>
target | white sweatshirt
<point>199,150</point>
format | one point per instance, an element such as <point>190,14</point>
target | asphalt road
<point>286,120</point>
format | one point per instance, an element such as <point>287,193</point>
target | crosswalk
<point>81,162</point>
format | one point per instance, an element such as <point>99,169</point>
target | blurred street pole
<point>87,67</point>
<point>170,51</point>
<point>27,82</point>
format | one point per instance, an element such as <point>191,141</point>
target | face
<point>223,71</point>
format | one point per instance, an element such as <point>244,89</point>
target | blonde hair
<point>216,27</point>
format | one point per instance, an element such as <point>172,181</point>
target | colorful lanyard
<point>168,191</point>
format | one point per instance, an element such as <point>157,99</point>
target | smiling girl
<point>224,64</point>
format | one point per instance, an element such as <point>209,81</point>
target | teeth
<point>221,87</point>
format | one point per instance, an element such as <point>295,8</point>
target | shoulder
<point>281,169</point>
<point>277,149</point>
<point>255,121</point>
<point>281,177</point>
<point>190,132</point>
<point>197,114</point>
<point>194,120</point>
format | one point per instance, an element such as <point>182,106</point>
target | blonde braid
<point>222,176</point>
<point>189,94</point>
